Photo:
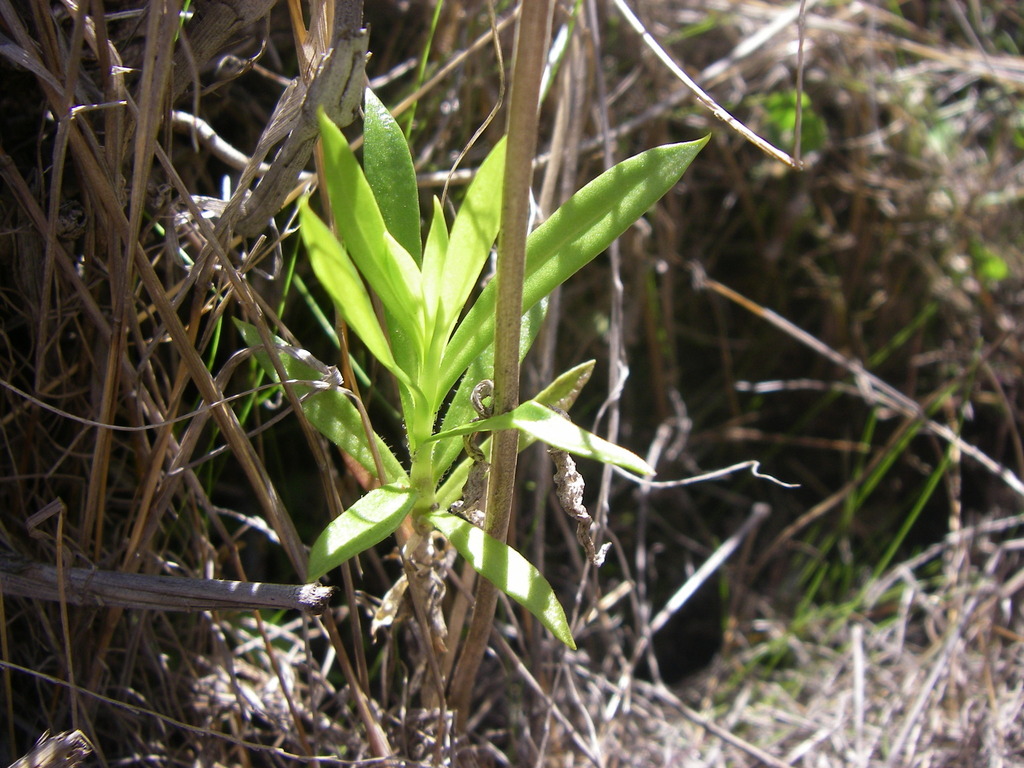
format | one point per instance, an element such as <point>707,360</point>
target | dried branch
<point>103,589</point>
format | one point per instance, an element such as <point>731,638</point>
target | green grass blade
<point>421,71</point>
<point>507,570</point>
<point>366,523</point>
<point>578,231</point>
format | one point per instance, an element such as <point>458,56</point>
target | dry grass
<point>839,648</point>
<point>925,672</point>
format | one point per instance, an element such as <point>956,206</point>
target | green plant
<point>780,121</point>
<point>433,337</point>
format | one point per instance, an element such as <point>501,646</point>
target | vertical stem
<point>530,55</point>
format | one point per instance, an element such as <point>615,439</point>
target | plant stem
<point>530,56</point>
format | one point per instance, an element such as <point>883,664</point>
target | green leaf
<point>780,121</point>
<point>436,250</point>
<point>366,523</point>
<point>331,412</point>
<point>335,417</point>
<point>382,261</point>
<point>390,173</point>
<point>460,410</point>
<point>448,282</point>
<point>507,570</point>
<point>561,393</point>
<point>434,254</point>
<point>988,265</point>
<point>546,425</point>
<point>339,277</point>
<point>579,230</point>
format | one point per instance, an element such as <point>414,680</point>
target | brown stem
<point>524,103</point>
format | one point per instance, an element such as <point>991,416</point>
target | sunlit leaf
<point>434,255</point>
<point>389,170</point>
<point>437,240</point>
<point>546,425</point>
<point>339,277</point>
<point>450,282</point>
<point>331,412</point>
<point>579,230</point>
<point>388,268</point>
<point>989,265</point>
<point>549,427</point>
<point>366,523</point>
<point>482,367</point>
<point>507,570</point>
<point>563,391</point>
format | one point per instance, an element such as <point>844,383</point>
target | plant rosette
<point>433,336</point>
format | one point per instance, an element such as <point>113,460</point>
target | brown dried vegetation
<point>873,619</point>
